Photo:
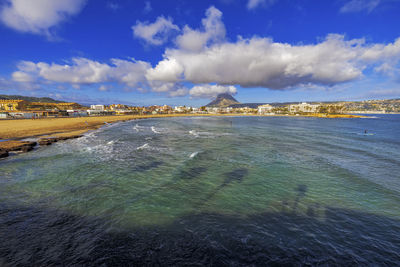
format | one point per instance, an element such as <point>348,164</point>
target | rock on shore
<point>50,140</point>
<point>17,146</point>
<point>26,146</point>
<point>3,153</point>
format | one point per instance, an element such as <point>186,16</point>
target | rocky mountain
<point>223,100</point>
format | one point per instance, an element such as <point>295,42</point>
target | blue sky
<point>186,52</point>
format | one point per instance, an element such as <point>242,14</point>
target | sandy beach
<point>18,129</point>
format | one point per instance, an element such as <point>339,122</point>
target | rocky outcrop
<point>15,146</point>
<point>26,146</point>
<point>50,140</point>
<point>47,141</point>
<point>3,153</point>
<point>11,146</point>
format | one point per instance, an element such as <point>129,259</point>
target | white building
<point>97,107</point>
<point>180,109</point>
<point>265,109</point>
<point>303,107</point>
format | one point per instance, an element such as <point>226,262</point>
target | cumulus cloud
<point>20,76</point>
<point>169,70</point>
<point>213,31</point>
<point>86,71</point>
<point>7,85</point>
<point>38,16</point>
<point>154,33</point>
<point>203,57</point>
<point>260,62</point>
<point>211,91</point>
<point>359,5</point>
<point>182,91</point>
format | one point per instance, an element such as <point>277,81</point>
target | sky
<point>185,52</point>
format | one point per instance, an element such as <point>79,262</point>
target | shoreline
<point>54,127</point>
<point>13,133</point>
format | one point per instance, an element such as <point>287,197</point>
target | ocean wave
<point>145,146</point>
<point>194,133</point>
<point>112,142</point>
<point>137,127</point>
<point>194,154</point>
<point>153,129</point>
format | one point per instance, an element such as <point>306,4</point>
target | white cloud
<point>211,91</point>
<point>167,70</point>
<point>260,62</point>
<point>154,33</point>
<point>38,16</point>
<point>7,85</point>
<point>359,5</point>
<point>179,92</point>
<point>86,71</point>
<point>20,76</point>
<point>204,57</point>
<point>214,31</point>
<point>252,4</point>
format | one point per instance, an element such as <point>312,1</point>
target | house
<point>180,109</point>
<point>97,107</point>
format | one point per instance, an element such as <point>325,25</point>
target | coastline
<point>51,130</point>
<point>63,127</point>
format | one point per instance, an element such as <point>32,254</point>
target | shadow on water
<point>301,190</point>
<point>188,172</point>
<point>191,173</point>
<point>236,175</point>
<point>35,236</point>
<point>147,166</point>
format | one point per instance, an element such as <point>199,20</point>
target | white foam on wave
<point>153,129</point>
<point>143,147</point>
<point>136,127</point>
<point>194,133</point>
<point>366,134</point>
<point>194,154</point>
<point>112,142</point>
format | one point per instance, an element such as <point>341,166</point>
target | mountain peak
<point>223,100</point>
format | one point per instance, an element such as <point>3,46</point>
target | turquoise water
<point>282,189</point>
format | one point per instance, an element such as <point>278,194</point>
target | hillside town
<point>223,104</point>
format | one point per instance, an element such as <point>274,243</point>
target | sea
<point>215,191</point>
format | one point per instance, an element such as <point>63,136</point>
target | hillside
<point>223,100</point>
<point>30,98</point>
